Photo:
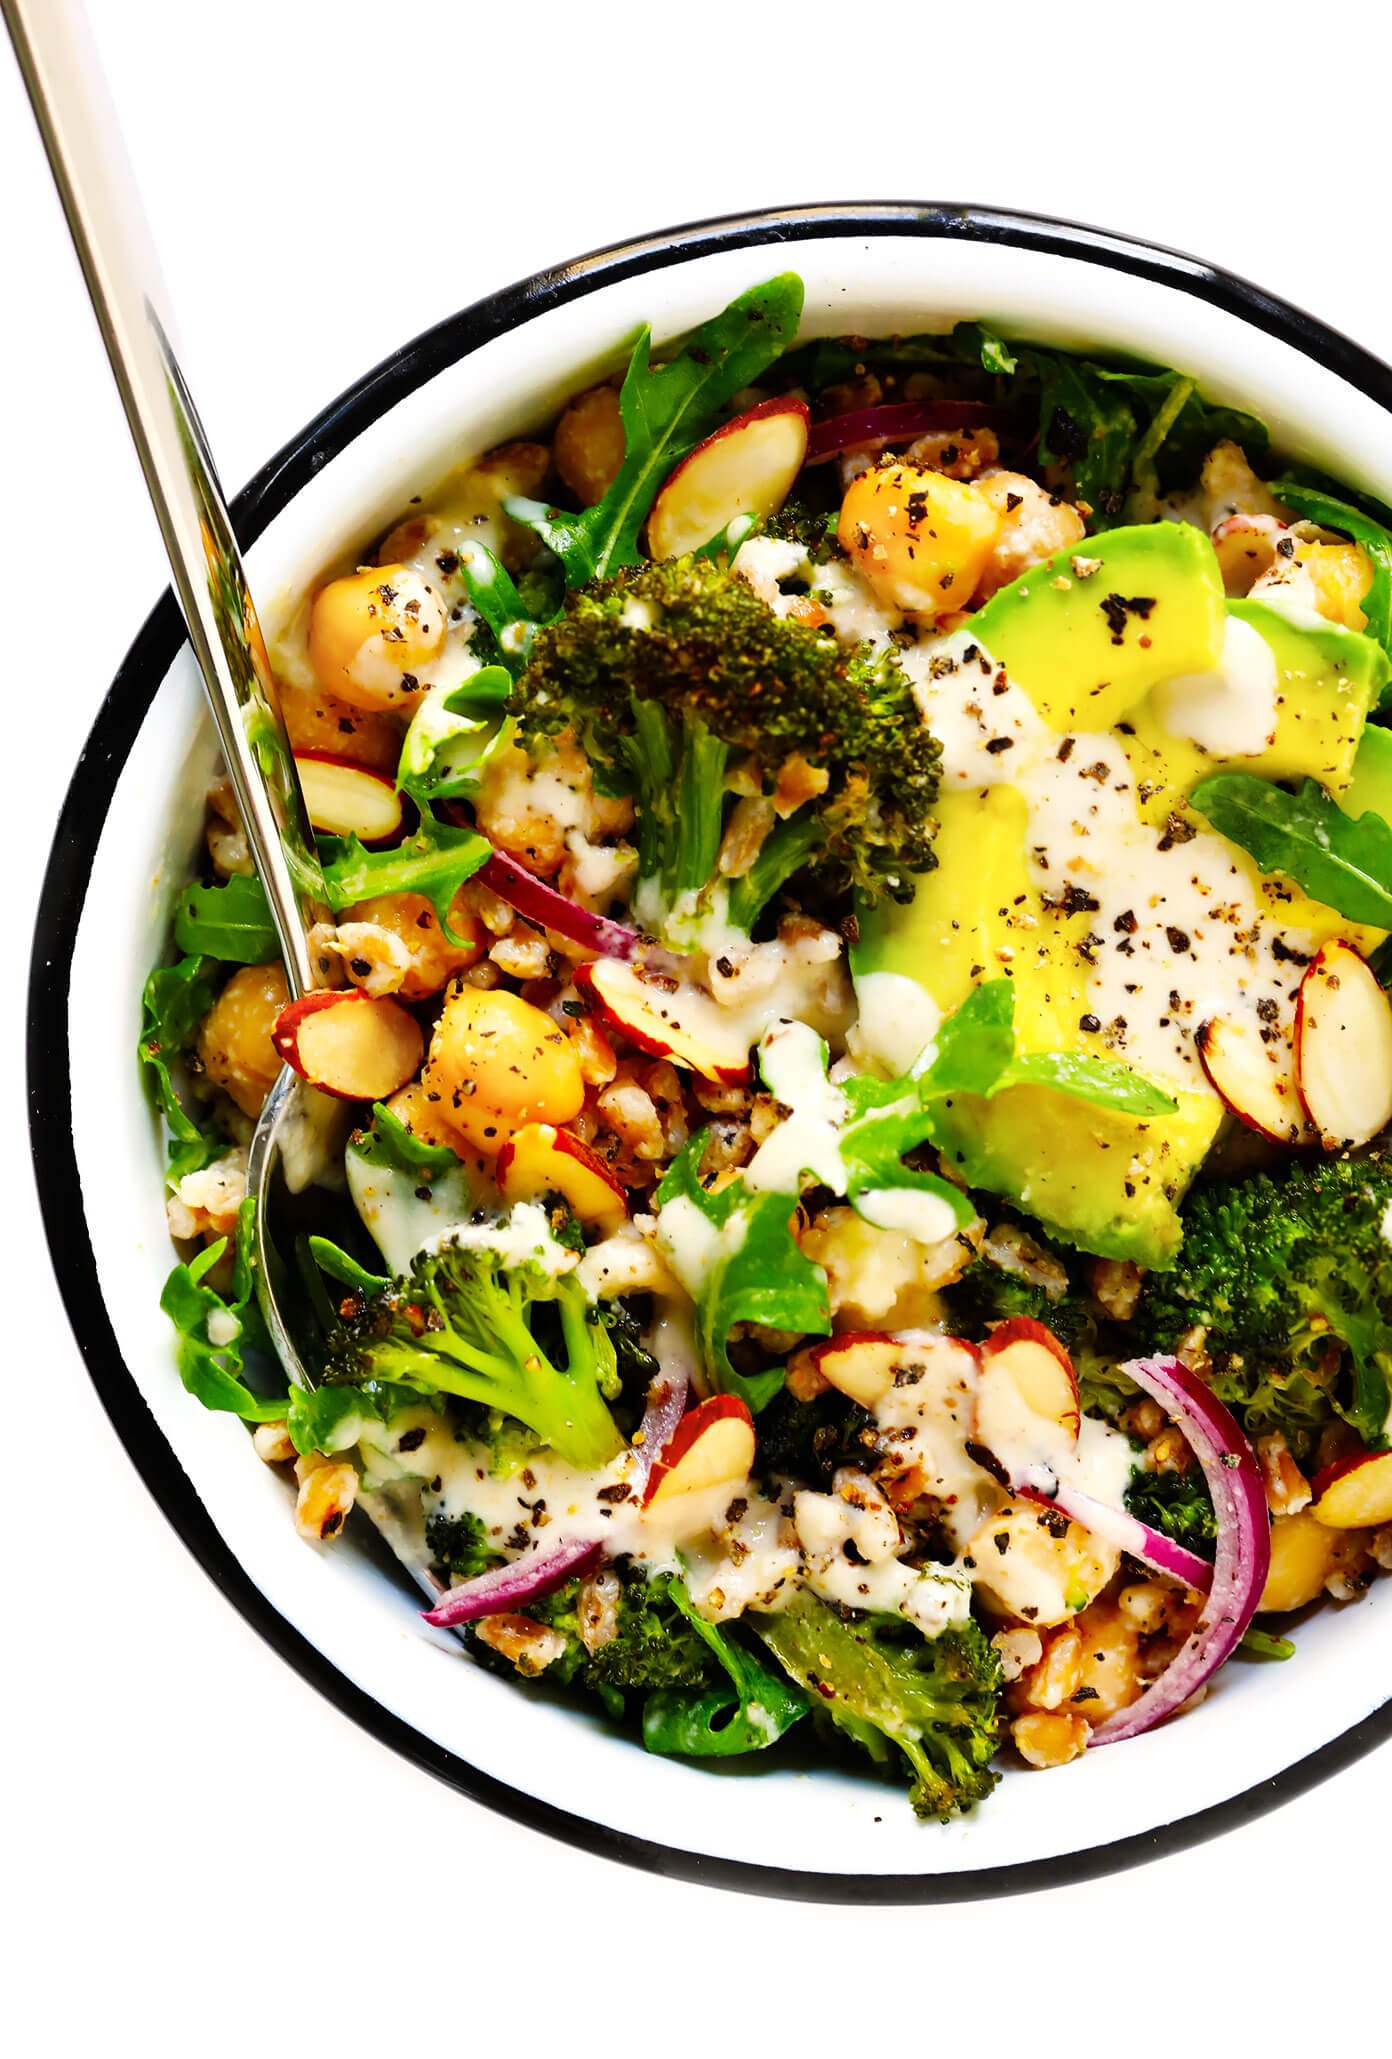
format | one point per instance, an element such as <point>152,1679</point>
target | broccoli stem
<point>787,847</point>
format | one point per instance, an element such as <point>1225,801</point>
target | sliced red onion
<point>897,421</point>
<point>512,1586</point>
<point>667,1398</point>
<point>1128,1533</point>
<point>542,904</point>
<point>1244,1543</point>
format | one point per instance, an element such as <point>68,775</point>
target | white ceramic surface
<point>1261,1719</point>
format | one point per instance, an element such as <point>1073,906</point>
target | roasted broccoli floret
<point>935,1701</point>
<point>1288,1278</point>
<point>515,1338</point>
<point>459,1545</point>
<point>654,1645</point>
<point>1178,1505</point>
<point>693,697</point>
<point>808,1440</point>
<point>1036,1281</point>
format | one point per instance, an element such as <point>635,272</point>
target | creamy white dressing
<point>792,1059</point>
<point>927,1218</point>
<point>1178,931</point>
<point>898,1021</point>
<point>691,1243</point>
<point>1229,712</point>
<point>521,1237</point>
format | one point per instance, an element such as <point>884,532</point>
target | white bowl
<point>131,822</point>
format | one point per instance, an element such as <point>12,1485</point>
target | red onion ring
<point>897,421</point>
<point>1244,1543</point>
<point>1127,1533</point>
<point>508,1587</point>
<point>542,904</point>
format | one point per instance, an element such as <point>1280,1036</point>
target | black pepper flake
<point>411,1440</point>
<point>1179,939</point>
<point>1125,925</point>
<point>1090,1023</point>
<point>999,744</point>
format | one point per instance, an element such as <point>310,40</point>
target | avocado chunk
<point>1089,633</point>
<point>1324,681</point>
<point>1096,1177</point>
<point>1371,785</point>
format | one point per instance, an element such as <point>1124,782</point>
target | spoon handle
<point>107,221</point>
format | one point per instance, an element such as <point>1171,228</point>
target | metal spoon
<point>108,226</point>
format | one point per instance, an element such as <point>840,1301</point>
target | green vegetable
<point>333,1418</point>
<point>1316,505</point>
<point>502,611</point>
<point>1176,1504</point>
<point>459,1545</point>
<point>1343,861</point>
<point>1124,430</point>
<point>1260,1644</point>
<point>935,1702</point>
<point>211,1371</point>
<point>435,860</point>
<point>667,410</point>
<point>174,1003</point>
<point>1287,1276</point>
<point>654,1650</point>
<point>671,675</point>
<point>454,734</point>
<point>230,922</point>
<point>747,1712</point>
<point>340,1265</point>
<point>974,1053</point>
<point>809,1441</point>
<point>755,1273</point>
<point>515,1338</point>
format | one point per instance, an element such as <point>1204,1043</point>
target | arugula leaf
<point>1099,1080</point>
<point>387,1143</point>
<point>340,1265</point>
<point>211,1371</point>
<point>748,1715</point>
<point>331,1418</point>
<point>498,604</point>
<point>174,1002</point>
<point>974,1053</point>
<point>735,1254</point>
<point>973,1046</point>
<point>453,735</point>
<point>435,861</point>
<point>230,921</point>
<point>1316,505</point>
<point>1342,861</point>
<point>667,409</point>
<point>886,1120</point>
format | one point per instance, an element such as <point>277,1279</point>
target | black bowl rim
<point>69,872</point>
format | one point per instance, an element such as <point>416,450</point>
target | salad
<point>851,1213</point>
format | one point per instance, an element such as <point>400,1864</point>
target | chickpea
<point>1341,574</point>
<point>368,631</point>
<point>413,921</point>
<point>1108,1676</point>
<point>234,1043</point>
<point>589,444</point>
<point>1303,1555</point>
<point>1046,1739</point>
<point>920,539</point>
<point>1034,524</point>
<point>316,720</point>
<point>497,1062</point>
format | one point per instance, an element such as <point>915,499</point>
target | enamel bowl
<point>345,1618</point>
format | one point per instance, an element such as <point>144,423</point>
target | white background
<point>203,1854</point>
